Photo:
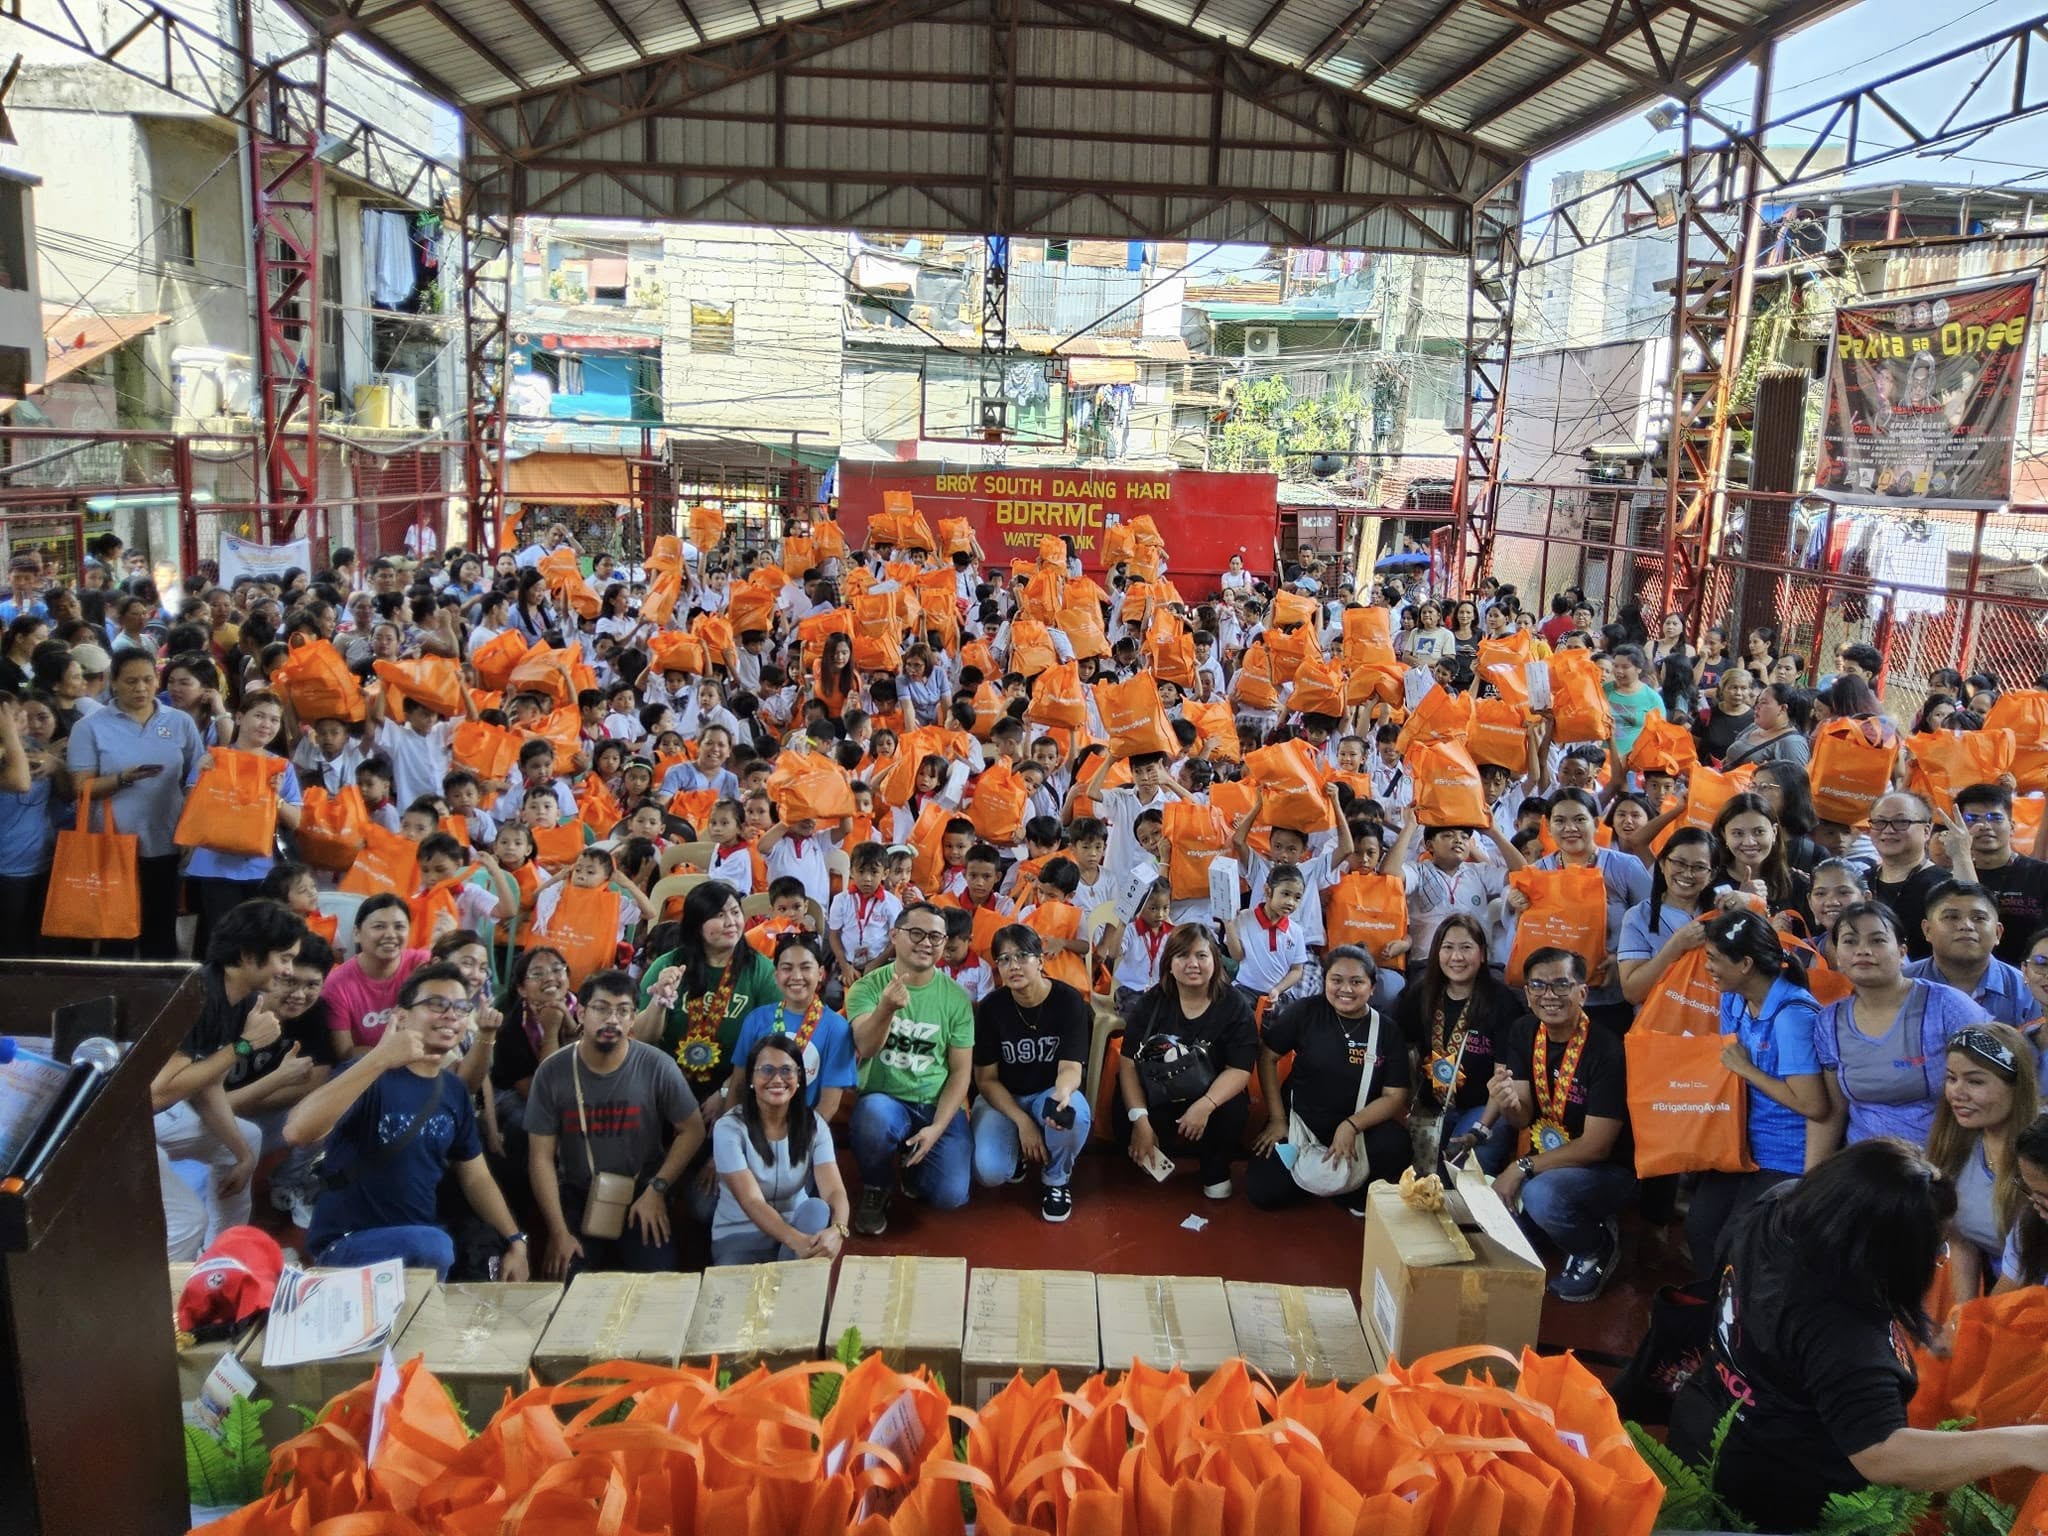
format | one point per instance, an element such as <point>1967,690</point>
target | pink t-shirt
<point>361,1005</point>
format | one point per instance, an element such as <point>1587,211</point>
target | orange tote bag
<point>1447,788</point>
<point>1567,910</point>
<point>1133,717</point>
<point>332,827</point>
<point>1371,911</point>
<point>95,891</point>
<point>1851,768</point>
<point>232,806</point>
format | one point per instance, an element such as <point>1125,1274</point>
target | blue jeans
<point>878,1129</point>
<point>414,1247</point>
<point>811,1217</point>
<point>997,1145</point>
<point>1572,1206</point>
<point>1495,1148</point>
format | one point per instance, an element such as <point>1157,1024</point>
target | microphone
<point>91,1063</point>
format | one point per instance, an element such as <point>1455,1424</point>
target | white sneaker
<point>302,1209</point>
<point>1218,1191</point>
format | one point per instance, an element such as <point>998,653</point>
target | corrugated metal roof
<point>1175,117</point>
<point>1522,75</point>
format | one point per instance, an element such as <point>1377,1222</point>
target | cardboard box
<point>1295,1331</point>
<point>479,1339</point>
<point>1028,1320</point>
<point>759,1314</point>
<point>1164,1321</point>
<point>312,1384</point>
<point>1437,1280</point>
<point>910,1310</point>
<point>616,1317</point>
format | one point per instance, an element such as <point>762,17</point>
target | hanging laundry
<point>388,257</point>
<point>1912,554</point>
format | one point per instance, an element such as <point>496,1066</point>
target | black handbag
<point>1174,1070</point>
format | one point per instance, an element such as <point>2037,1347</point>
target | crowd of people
<point>661,882</point>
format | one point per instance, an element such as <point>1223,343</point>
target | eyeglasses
<point>1015,957</point>
<point>445,1007</point>
<point>783,1074</point>
<point>1560,988</point>
<point>2037,962</point>
<point>1687,867</point>
<point>1897,823</point>
<point>924,937</point>
<point>292,984</point>
<point>1987,1048</point>
<point>599,1013</point>
<point>1985,818</point>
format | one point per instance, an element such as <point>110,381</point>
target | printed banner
<point>1205,517</point>
<point>265,562</point>
<point>1924,395</point>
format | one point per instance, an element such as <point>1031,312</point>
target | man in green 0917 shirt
<point>913,1030</point>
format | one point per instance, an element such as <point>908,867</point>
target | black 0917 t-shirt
<point>1599,1086</point>
<point>1331,1054</point>
<point>1822,1382</point>
<point>1485,1024</point>
<point>1027,1045</point>
<point>2020,886</point>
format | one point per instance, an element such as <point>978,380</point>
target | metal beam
<point>1716,275</point>
<point>204,70</point>
<point>1492,272</point>
<point>2003,91</point>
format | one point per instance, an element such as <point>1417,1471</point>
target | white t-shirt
<point>864,923</point>
<point>1269,953</point>
<point>802,858</point>
<point>1137,957</point>
<point>1434,895</point>
<point>418,763</point>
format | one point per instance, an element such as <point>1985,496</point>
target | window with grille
<point>711,329</point>
<point>179,239</point>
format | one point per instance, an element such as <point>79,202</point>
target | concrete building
<point>144,213</point>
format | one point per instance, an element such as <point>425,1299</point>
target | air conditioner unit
<point>1261,341</point>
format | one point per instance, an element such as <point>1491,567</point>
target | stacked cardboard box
<point>1164,1321</point>
<point>910,1310</point>
<point>1291,1331</point>
<point>1029,1321</point>
<point>759,1314</point>
<point>617,1317</point>
<point>479,1340</point>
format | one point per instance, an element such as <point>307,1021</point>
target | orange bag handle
<point>106,813</point>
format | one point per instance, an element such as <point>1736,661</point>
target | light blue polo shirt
<point>108,741</point>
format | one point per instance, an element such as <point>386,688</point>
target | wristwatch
<point>658,1184</point>
<point>1527,1165</point>
<point>1139,1114</point>
<point>516,1237</point>
<point>244,1049</point>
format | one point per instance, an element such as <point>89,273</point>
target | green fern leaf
<point>214,1484</point>
<point>1877,1510</point>
<point>1970,1511</point>
<point>825,1389</point>
<point>725,1380</point>
<point>308,1417</point>
<point>247,1449</point>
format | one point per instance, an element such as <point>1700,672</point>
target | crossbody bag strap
<point>1372,1053</point>
<point>378,1157</point>
<point>582,1114</point>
